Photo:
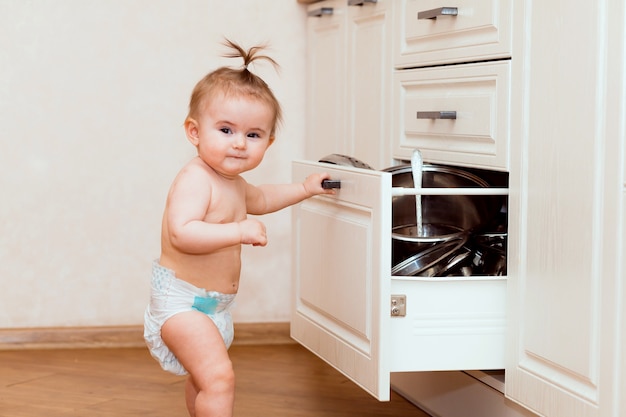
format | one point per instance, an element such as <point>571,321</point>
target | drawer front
<point>450,324</point>
<point>480,30</point>
<point>478,97</point>
<point>342,246</point>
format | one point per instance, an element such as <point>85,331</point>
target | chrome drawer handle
<point>321,12</point>
<point>442,11</point>
<point>360,2</point>
<point>436,114</point>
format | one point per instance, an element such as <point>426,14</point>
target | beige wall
<point>92,98</point>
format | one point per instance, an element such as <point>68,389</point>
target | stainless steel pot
<point>444,217</point>
<point>339,159</point>
<point>489,254</point>
<point>431,234</point>
<point>435,260</point>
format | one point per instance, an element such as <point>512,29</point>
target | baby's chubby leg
<point>198,345</point>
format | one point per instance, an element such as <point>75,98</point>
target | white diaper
<point>170,296</point>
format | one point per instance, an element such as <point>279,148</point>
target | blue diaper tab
<point>206,305</point>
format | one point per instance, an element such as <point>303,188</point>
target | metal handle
<point>436,114</point>
<point>328,184</point>
<point>442,11</point>
<point>321,12</point>
<point>399,191</point>
<point>360,2</point>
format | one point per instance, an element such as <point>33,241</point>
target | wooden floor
<point>272,380</point>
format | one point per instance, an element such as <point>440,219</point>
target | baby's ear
<point>191,130</point>
<point>272,137</point>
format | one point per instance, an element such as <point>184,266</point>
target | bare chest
<point>227,205</point>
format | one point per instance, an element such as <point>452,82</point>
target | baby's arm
<point>273,197</point>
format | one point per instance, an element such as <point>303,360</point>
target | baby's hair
<point>238,82</point>
<point>248,56</point>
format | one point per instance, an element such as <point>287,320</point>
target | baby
<point>232,120</point>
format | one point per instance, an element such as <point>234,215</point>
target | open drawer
<point>343,291</point>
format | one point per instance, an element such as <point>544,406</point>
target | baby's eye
<point>226,130</point>
<point>254,135</point>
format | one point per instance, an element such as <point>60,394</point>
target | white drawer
<point>478,94</point>
<point>481,30</point>
<point>450,324</point>
<point>343,286</point>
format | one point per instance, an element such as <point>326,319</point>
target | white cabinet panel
<point>369,82</point>
<point>326,88</point>
<point>451,323</point>
<point>567,126</point>
<point>622,344</point>
<point>342,249</point>
<point>481,30</point>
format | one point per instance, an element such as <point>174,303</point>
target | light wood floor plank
<point>272,380</point>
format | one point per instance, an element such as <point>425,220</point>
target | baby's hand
<point>252,232</point>
<point>313,184</point>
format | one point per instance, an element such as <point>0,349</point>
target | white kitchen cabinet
<point>343,292</point>
<point>559,106</point>
<point>349,59</point>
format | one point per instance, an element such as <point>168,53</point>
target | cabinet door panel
<point>369,82</point>
<point>342,250</point>
<point>326,88</point>
<point>327,279</point>
<point>565,202</point>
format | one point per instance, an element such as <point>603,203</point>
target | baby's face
<point>232,134</point>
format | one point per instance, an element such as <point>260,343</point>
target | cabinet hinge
<point>398,305</point>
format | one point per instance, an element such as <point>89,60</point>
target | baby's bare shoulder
<point>193,175</point>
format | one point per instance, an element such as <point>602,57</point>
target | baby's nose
<point>239,142</point>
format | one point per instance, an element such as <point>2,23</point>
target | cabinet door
<point>565,189</point>
<point>369,82</point>
<point>342,250</point>
<point>326,87</point>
